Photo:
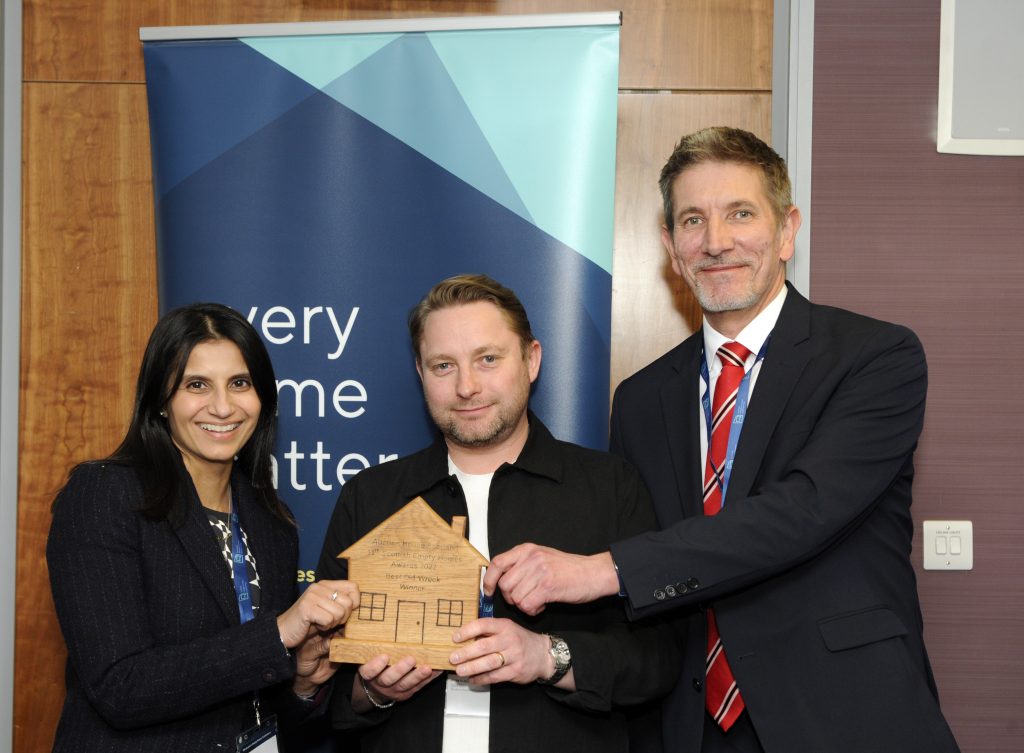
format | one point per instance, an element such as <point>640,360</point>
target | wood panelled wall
<point>933,240</point>
<point>88,288</point>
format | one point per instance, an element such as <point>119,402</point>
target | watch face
<point>560,650</point>
<point>563,660</point>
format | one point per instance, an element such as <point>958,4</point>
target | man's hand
<point>501,651</point>
<point>385,684</point>
<point>531,576</point>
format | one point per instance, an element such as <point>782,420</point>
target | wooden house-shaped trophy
<point>419,580</point>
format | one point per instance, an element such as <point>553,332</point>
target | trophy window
<point>449,613</point>
<point>372,606</point>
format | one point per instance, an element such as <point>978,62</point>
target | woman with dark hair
<point>173,562</point>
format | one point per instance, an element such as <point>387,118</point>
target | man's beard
<point>468,434</point>
<point>716,302</point>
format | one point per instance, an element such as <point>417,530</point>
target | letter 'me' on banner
<point>321,183</point>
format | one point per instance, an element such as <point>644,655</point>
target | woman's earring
<point>163,414</point>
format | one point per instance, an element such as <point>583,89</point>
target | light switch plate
<point>948,544</point>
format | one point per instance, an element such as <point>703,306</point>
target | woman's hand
<point>322,607</point>
<point>313,665</point>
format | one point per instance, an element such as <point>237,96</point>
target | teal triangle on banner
<point>405,90</point>
<point>318,60</point>
<point>546,101</point>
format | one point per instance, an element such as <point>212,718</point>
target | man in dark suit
<point>790,535</point>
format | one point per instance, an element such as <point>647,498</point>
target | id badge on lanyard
<point>259,739</point>
<point>263,737</point>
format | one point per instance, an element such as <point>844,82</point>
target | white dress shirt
<point>752,337</point>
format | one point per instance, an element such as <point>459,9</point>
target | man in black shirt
<point>556,681</point>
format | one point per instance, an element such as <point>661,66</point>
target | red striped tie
<point>722,698</point>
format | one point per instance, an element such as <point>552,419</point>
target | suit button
<point>269,675</point>
<point>670,590</point>
<point>682,587</point>
<point>698,684</point>
<point>693,584</point>
<point>659,594</point>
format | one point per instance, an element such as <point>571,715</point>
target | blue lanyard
<point>239,571</point>
<point>240,575</point>
<point>486,606</point>
<point>738,415</point>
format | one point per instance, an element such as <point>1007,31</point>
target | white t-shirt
<point>467,710</point>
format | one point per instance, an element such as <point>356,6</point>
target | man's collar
<point>538,456</point>
<point>753,336</point>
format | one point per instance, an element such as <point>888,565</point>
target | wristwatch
<point>563,660</point>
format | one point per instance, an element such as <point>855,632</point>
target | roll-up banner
<point>320,178</point>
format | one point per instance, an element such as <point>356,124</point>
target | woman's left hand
<point>313,665</point>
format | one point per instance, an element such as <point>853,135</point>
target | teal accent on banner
<point>529,129</point>
<point>427,112</point>
<point>550,129</point>
<point>318,60</point>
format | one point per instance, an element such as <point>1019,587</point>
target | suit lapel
<point>681,424</point>
<point>202,549</point>
<point>786,359</point>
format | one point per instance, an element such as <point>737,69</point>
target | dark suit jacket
<point>808,564</point>
<point>157,658</point>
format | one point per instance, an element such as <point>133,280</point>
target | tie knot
<point>733,354</point>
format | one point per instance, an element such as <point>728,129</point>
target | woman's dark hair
<point>147,445</point>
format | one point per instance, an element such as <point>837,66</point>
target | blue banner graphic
<point>322,184</point>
